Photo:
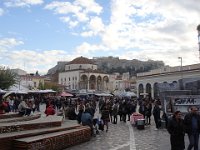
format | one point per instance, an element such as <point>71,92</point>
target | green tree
<point>7,78</point>
<point>37,73</point>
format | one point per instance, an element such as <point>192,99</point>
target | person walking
<point>142,108</point>
<point>105,116</point>
<point>192,127</point>
<point>177,131</point>
<point>80,108</point>
<point>156,114</point>
<point>124,110</point>
<point>148,113</point>
<point>115,112</point>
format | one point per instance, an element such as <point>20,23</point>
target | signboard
<point>186,101</point>
<point>181,103</point>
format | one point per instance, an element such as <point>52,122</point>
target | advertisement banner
<point>182,103</point>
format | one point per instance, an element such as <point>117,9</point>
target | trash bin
<point>140,124</point>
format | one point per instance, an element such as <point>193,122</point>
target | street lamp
<point>198,29</point>
<point>181,70</point>
<point>181,62</point>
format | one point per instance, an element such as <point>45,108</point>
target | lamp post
<point>181,62</point>
<point>181,70</point>
<point>198,29</point>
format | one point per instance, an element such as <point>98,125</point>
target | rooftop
<point>81,60</point>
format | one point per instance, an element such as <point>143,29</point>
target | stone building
<point>169,77</point>
<point>83,74</point>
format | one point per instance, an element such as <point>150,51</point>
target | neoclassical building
<point>82,74</point>
<point>147,82</point>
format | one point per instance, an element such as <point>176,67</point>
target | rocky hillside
<point>114,64</point>
<point>60,67</point>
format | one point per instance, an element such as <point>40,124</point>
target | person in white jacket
<point>24,109</point>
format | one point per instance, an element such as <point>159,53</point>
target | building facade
<point>83,74</point>
<point>147,82</point>
<point>119,82</point>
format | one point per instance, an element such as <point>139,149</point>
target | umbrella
<point>33,91</point>
<point>2,91</point>
<point>47,91</point>
<point>20,92</point>
<point>7,94</point>
<point>65,94</point>
<point>130,94</point>
<point>103,94</point>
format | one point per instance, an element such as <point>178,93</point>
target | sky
<point>36,34</point>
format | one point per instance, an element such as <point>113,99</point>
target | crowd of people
<point>178,126</point>
<point>97,112</point>
<point>26,105</point>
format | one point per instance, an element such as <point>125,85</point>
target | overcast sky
<point>36,34</point>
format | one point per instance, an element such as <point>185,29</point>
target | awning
<point>2,91</point>
<point>65,94</point>
<point>42,91</point>
<point>103,94</point>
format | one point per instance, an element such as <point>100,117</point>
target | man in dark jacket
<point>192,127</point>
<point>124,110</point>
<point>156,115</point>
<point>115,108</point>
<point>177,132</point>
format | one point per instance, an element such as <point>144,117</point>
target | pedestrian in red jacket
<point>50,110</point>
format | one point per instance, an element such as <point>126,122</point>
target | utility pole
<point>198,29</point>
<point>181,70</point>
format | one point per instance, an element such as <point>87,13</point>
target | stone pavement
<point>123,136</point>
<point>117,138</point>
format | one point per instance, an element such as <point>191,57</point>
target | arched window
<point>61,81</point>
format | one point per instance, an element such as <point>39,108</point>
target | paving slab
<point>123,136</point>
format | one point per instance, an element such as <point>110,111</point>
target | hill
<point>114,64</point>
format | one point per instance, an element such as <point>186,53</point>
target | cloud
<point>149,30</point>
<point>169,57</point>
<point>89,6</point>
<point>33,60</point>
<point>1,11</point>
<point>142,28</point>
<point>21,3</point>
<point>86,48</point>
<point>10,42</point>
<point>131,29</point>
<point>77,11</point>
<point>94,27</point>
